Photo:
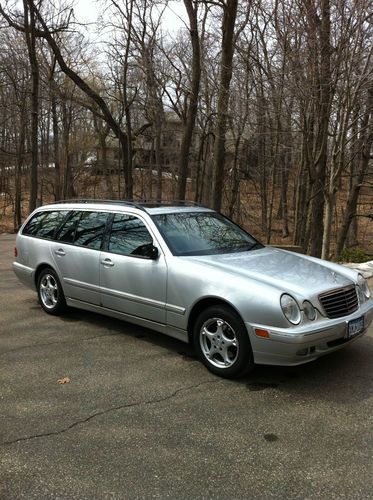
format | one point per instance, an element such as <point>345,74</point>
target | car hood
<point>287,271</point>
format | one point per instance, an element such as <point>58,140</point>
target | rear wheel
<point>50,292</point>
<point>222,342</point>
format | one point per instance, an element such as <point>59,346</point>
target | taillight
<point>15,252</point>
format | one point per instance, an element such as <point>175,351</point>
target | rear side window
<point>129,235</point>
<point>66,233</point>
<point>44,224</point>
<point>91,229</point>
<point>84,229</point>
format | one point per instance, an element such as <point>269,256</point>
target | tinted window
<point>66,233</point>
<point>90,230</point>
<point>44,224</point>
<point>129,236</point>
<point>203,234</point>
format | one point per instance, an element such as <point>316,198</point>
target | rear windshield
<point>189,233</point>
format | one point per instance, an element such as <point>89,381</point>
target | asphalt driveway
<point>142,418</point>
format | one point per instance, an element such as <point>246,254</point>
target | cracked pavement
<point>142,418</point>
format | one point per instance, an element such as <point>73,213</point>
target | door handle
<point>60,252</point>
<point>107,262</point>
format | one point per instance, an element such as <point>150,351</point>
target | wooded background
<point>260,109</point>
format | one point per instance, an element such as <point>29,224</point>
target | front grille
<point>341,302</point>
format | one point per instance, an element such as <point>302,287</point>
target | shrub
<point>354,254</point>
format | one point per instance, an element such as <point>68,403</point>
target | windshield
<point>203,233</point>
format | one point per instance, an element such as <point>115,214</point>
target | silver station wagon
<point>189,272</point>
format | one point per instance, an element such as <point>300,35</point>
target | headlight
<point>309,310</point>
<point>363,285</point>
<point>290,309</point>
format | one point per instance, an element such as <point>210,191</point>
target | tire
<point>50,293</point>
<point>222,342</point>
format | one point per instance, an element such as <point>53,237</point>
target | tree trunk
<point>29,22</point>
<point>262,164</point>
<point>68,185</point>
<point>365,145</point>
<point>159,158</point>
<point>330,201</point>
<point>301,205</point>
<point>186,143</point>
<point>56,150</point>
<point>129,170</point>
<point>235,182</point>
<point>18,176</point>
<point>284,196</point>
<point>229,20</point>
<point>321,149</point>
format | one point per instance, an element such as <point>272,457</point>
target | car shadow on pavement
<point>341,376</point>
<point>113,325</point>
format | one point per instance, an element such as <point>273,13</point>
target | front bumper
<point>301,344</point>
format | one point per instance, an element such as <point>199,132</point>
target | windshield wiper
<point>243,247</point>
<point>256,245</point>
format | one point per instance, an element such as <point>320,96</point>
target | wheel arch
<point>39,269</point>
<point>203,304</point>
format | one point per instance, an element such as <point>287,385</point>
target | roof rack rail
<point>169,203</point>
<point>98,200</point>
<point>140,204</point>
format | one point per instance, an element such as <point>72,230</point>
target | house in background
<point>108,158</point>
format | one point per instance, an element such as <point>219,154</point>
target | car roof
<point>150,207</point>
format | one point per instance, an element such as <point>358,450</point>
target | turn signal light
<point>15,252</point>
<point>261,333</point>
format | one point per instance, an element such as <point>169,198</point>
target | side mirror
<point>153,252</point>
<point>147,251</point>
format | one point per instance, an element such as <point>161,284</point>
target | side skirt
<point>165,329</point>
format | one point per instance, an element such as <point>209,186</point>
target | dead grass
<point>89,186</point>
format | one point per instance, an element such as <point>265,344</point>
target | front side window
<point>44,224</point>
<point>91,229</point>
<point>203,233</point>
<point>129,236</point>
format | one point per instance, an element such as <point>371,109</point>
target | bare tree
<point>191,115</point>
<point>47,34</point>
<point>227,48</point>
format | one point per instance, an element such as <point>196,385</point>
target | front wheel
<point>222,342</point>
<point>50,292</point>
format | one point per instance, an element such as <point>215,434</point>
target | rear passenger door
<point>76,253</point>
<point>131,282</point>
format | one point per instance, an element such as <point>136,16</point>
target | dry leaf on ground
<point>64,380</point>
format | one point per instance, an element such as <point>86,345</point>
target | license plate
<point>354,327</point>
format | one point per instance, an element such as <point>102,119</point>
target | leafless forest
<point>260,109</point>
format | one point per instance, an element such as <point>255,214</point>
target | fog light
<point>302,352</point>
